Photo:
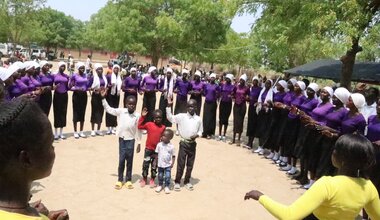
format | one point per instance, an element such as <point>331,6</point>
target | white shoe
<point>275,157</point>
<point>158,189</point>
<point>287,168</point>
<point>270,156</point>
<point>82,135</point>
<point>76,135</point>
<point>113,131</point>
<point>176,133</point>
<point>167,190</point>
<point>109,133</point>
<point>307,186</point>
<point>62,137</point>
<point>261,152</point>
<point>292,171</point>
<point>224,138</point>
<point>93,134</point>
<point>189,187</point>
<point>219,138</point>
<point>177,187</point>
<point>99,133</point>
<point>258,150</point>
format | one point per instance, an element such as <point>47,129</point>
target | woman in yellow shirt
<point>339,197</point>
<point>26,155</point>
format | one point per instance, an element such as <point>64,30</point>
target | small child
<point>154,130</point>
<point>165,160</point>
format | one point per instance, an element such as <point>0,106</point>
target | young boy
<point>127,121</point>
<point>190,128</point>
<point>165,158</point>
<point>154,130</point>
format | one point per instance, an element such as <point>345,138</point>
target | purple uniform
<point>61,80</point>
<point>226,92</point>
<point>320,113</point>
<point>289,96</point>
<point>254,95</point>
<point>334,119</point>
<point>353,124</point>
<point>131,83</point>
<point>373,133</point>
<point>149,83</point>
<point>78,82</point>
<point>279,97</point>
<point>211,92</point>
<point>241,93</point>
<point>297,102</point>
<point>309,105</point>
<point>18,88</point>
<point>197,86</point>
<point>46,79</point>
<point>182,88</point>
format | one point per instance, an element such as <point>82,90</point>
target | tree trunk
<point>155,58</point>
<point>348,62</point>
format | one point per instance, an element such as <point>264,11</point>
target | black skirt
<point>162,106</point>
<point>126,94</point>
<point>289,136</point>
<point>324,166</point>
<point>149,102</point>
<point>60,109</point>
<point>282,126</point>
<point>239,115</point>
<point>209,118</point>
<point>180,105</point>
<point>272,141</point>
<point>300,146</point>
<point>97,109</point>
<point>252,121</point>
<point>225,109</point>
<point>79,106</point>
<point>45,101</point>
<point>113,101</point>
<point>374,173</point>
<point>197,98</point>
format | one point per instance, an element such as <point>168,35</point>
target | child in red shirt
<point>154,130</point>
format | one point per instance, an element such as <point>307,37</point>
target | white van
<point>4,50</point>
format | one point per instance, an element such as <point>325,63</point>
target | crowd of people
<point>297,124</point>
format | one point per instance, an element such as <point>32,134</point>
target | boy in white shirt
<point>165,159</point>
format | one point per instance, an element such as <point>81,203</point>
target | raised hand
<point>103,92</point>
<point>170,101</point>
<point>144,112</point>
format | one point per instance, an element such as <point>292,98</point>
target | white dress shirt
<point>188,125</point>
<point>368,110</point>
<point>126,123</point>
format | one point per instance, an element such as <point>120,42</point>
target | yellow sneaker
<point>129,185</point>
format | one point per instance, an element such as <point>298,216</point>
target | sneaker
<point>167,190</point>
<point>176,133</point>
<point>99,133</point>
<point>219,138</point>
<point>158,189</point>
<point>143,182</point>
<point>93,134</point>
<point>62,137</point>
<point>275,157</point>
<point>287,168</point>
<point>129,185</point>
<point>307,186</point>
<point>76,135</point>
<point>56,138</point>
<point>82,135</point>
<point>292,171</point>
<point>151,183</point>
<point>189,187</point>
<point>270,156</point>
<point>224,138</point>
<point>258,150</point>
<point>109,132</point>
<point>113,132</point>
<point>278,162</point>
<point>177,187</point>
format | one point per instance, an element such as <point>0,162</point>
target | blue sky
<point>83,9</point>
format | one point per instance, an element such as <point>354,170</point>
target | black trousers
<point>149,102</point>
<point>149,156</point>
<point>162,106</point>
<point>126,151</point>
<point>113,101</point>
<point>186,156</point>
<point>60,109</point>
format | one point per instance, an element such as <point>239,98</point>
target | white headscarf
<point>169,88</point>
<point>151,69</point>
<point>43,63</point>
<point>358,100</point>
<point>29,65</point>
<point>96,82</point>
<point>342,94</point>
<point>133,69</point>
<point>11,70</point>
<point>198,73</point>
<point>329,90</point>
<point>243,77</point>
<point>283,84</point>
<point>116,81</point>
<point>230,76</point>
<point>212,75</point>
<point>293,81</point>
<point>269,96</point>
<point>314,87</point>
<point>80,64</point>
<point>4,74</point>
<point>185,71</point>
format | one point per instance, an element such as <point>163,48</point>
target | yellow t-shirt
<point>15,216</point>
<point>332,198</point>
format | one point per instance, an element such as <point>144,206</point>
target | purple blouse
<point>183,88</point>
<point>91,81</point>
<point>78,82</point>
<point>321,111</point>
<point>352,124</point>
<point>334,119</point>
<point>197,86</point>
<point>149,83</point>
<point>297,102</point>
<point>211,92</point>
<point>309,105</point>
<point>131,83</point>
<point>254,95</point>
<point>279,97</point>
<point>46,79</point>
<point>287,100</point>
<point>226,92</point>
<point>61,81</point>
<point>30,82</point>
<point>373,133</point>
<point>18,88</point>
<point>241,93</point>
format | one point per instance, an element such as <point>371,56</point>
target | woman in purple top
<point>149,86</point>
<point>254,93</point>
<point>274,130</point>
<point>96,83</point>
<point>225,105</point>
<point>211,92</point>
<point>197,91</point>
<point>46,80</point>
<point>166,87</point>
<point>78,84</point>
<point>131,85</point>
<point>241,93</point>
<point>60,100</point>
<point>182,88</point>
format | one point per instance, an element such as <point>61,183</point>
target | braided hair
<point>22,127</point>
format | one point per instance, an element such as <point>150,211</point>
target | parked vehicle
<point>38,53</point>
<point>4,50</point>
<point>25,53</point>
<point>51,55</point>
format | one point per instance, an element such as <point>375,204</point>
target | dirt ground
<point>85,171</point>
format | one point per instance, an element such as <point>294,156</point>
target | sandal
<point>118,185</point>
<point>231,142</point>
<point>129,185</point>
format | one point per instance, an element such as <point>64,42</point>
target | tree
<point>287,28</point>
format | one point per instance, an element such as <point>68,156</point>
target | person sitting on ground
<point>339,197</point>
<point>24,159</point>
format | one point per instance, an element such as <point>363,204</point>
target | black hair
<point>2,91</point>
<point>356,154</point>
<point>373,91</point>
<point>157,111</point>
<point>170,132</point>
<point>22,126</point>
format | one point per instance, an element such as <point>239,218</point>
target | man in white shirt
<point>189,128</point>
<point>127,121</point>
<point>371,96</point>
